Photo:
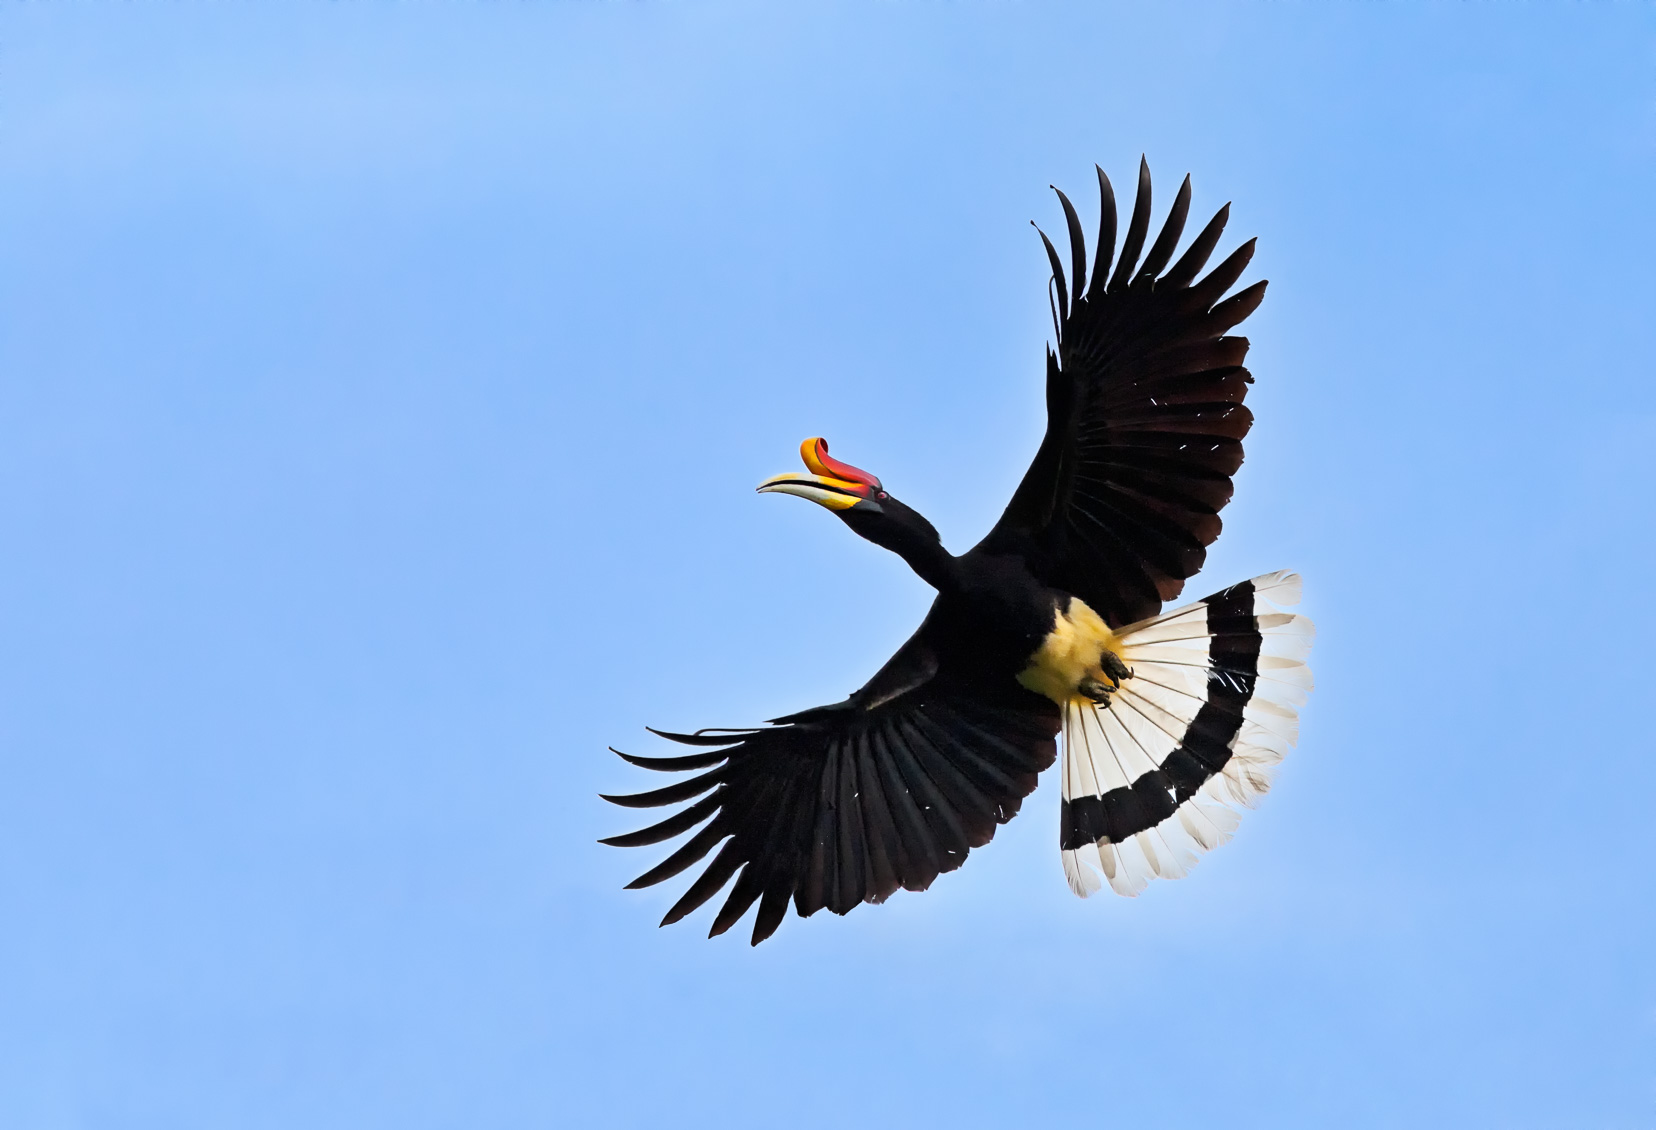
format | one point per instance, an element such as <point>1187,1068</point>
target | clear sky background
<point>382,392</point>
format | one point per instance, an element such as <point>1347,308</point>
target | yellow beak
<point>835,494</point>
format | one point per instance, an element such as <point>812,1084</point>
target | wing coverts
<point>1212,707</point>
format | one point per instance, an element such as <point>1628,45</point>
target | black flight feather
<point>671,794</point>
<point>773,907</point>
<point>1078,244</point>
<point>877,823</point>
<point>692,850</point>
<point>708,883</point>
<point>1105,252</point>
<point>749,885</point>
<point>1205,293</point>
<point>704,737</point>
<point>1196,255</point>
<point>678,822</point>
<point>1162,250</point>
<point>1137,228</point>
<point>1062,305</point>
<point>672,764</point>
<point>922,860</point>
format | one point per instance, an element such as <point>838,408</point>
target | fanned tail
<point>1154,779</point>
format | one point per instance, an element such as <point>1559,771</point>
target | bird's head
<point>856,496</point>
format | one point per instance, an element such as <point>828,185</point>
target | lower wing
<point>845,804</point>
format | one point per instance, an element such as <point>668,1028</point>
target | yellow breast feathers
<point>1070,653</point>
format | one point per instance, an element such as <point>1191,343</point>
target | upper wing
<point>844,804</point>
<point>1144,414</point>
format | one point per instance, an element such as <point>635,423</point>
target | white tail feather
<point>1176,666</point>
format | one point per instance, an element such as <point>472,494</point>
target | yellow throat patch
<point>1070,653</point>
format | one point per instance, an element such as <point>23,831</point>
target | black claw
<point>1095,690</point>
<point>1114,668</point>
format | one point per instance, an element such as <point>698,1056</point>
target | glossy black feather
<point>773,906</point>
<point>882,846</point>
<point>1062,308</point>
<point>1078,244</point>
<point>1106,236</point>
<point>1206,292</point>
<point>757,873</point>
<point>676,824</point>
<point>708,883</point>
<point>847,891</point>
<point>671,764</point>
<point>1137,228</point>
<point>922,856</point>
<point>702,737</point>
<point>976,810</point>
<point>670,794</point>
<point>1162,250</point>
<point>692,851</point>
<point>750,884</point>
<point>1196,255</point>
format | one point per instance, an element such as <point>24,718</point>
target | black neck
<point>935,565</point>
<point>906,533</point>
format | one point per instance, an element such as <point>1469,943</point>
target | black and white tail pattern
<point>1156,777</point>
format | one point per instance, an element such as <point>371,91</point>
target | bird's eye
<point>882,494</point>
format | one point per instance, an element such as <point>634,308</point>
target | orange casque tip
<point>814,452</point>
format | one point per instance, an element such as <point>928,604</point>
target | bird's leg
<point>1113,671</point>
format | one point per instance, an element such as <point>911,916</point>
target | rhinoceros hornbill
<point>1052,624</point>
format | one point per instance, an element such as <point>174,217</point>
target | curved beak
<point>835,494</point>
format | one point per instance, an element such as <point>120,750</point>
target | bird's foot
<point>1114,669</point>
<point>1114,672</point>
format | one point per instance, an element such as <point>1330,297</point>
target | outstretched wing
<point>1145,418</point>
<point>843,804</point>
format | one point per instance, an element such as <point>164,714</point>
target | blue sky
<point>382,391</point>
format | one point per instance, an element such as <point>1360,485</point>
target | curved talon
<point>1095,690</point>
<point>1114,668</point>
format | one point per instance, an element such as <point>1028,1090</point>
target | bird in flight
<point>1051,625</point>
